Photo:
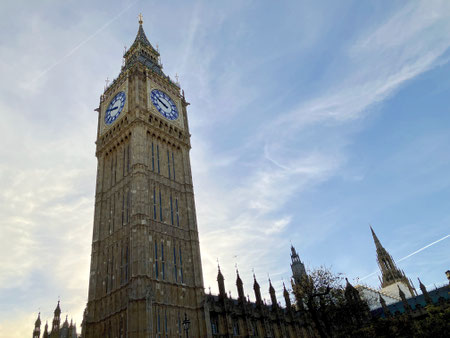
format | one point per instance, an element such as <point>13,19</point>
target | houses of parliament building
<point>146,273</point>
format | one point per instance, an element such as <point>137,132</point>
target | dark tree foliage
<point>322,295</point>
<point>338,311</point>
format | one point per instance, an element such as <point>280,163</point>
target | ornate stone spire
<point>297,267</point>
<point>257,290</point>
<point>56,318</point>
<point>45,331</point>
<point>273,296</point>
<point>240,288</point>
<point>37,327</point>
<point>287,298</point>
<point>406,305</point>
<point>142,51</point>
<point>390,273</point>
<point>221,283</point>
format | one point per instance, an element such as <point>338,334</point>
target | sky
<point>310,120</point>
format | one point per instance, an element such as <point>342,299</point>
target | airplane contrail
<point>411,254</point>
<point>73,50</point>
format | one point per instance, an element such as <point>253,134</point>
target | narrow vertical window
<point>171,210</point>
<point>121,264</point>
<point>153,157</point>
<point>181,266</point>
<point>163,271</point>
<point>128,159</point>
<point>111,177</point>
<point>160,207</point>
<point>123,162</point>
<point>112,270</point>
<point>176,210</point>
<point>154,203</point>
<point>168,163</point>
<point>175,276</point>
<point>156,260</point>
<point>165,321</point>
<point>173,166</point>
<point>109,216</point>
<point>126,264</point>
<point>115,167</point>
<point>123,208</point>
<point>158,327</point>
<point>128,206</point>
<point>157,156</point>
<point>113,212</point>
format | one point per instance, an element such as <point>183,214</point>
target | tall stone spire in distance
<point>297,267</point>
<point>390,273</point>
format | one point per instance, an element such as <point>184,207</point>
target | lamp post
<point>186,324</point>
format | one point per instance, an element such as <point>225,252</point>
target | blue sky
<point>309,120</point>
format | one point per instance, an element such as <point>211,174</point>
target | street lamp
<point>186,324</point>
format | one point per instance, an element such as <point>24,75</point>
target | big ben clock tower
<point>146,274</point>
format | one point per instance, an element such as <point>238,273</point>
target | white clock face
<point>115,108</point>
<point>164,104</point>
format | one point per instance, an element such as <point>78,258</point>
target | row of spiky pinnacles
<point>65,331</point>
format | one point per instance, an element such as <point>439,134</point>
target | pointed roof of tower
<point>375,239</point>
<point>58,309</point>
<point>38,320</point>
<point>141,37</point>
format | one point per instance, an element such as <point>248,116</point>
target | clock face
<point>164,104</point>
<point>115,108</point>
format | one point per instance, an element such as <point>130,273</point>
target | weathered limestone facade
<point>145,265</point>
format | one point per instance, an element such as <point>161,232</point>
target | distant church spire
<point>297,267</point>
<point>390,273</point>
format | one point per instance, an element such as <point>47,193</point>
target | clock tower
<point>146,273</point>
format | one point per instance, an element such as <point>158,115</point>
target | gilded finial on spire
<point>141,19</point>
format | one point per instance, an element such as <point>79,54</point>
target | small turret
<point>221,283</point>
<point>406,305</point>
<point>56,319</point>
<point>257,290</point>
<point>386,311</point>
<point>37,327</point>
<point>287,299</point>
<point>240,288</point>
<point>45,331</point>
<point>273,296</point>
<point>425,293</point>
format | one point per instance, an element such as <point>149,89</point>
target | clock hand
<point>111,109</point>
<point>162,103</point>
